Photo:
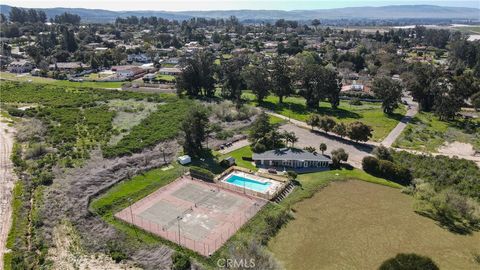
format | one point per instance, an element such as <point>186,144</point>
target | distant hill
<point>385,12</point>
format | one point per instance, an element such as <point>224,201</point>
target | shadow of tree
<point>450,223</point>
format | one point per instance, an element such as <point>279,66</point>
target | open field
<point>193,214</point>
<point>358,225</point>
<point>427,133</point>
<point>28,78</point>
<point>369,113</point>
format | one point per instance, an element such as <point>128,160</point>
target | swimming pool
<point>241,181</point>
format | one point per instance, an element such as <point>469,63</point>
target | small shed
<point>184,159</point>
<point>229,161</point>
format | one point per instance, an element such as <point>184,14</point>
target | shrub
<point>202,173</point>
<point>387,170</point>
<point>180,261</point>
<point>355,102</point>
<point>409,262</point>
<point>382,152</point>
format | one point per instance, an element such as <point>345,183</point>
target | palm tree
<point>323,147</point>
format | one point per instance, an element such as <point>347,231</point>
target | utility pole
<point>131,215</point>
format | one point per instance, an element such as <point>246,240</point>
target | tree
<point>326,123</point>
<point>281,78</point>
<point>339,155</point>
<point>340,129</point>
<point>230,76</point>
<point>389,91</point>
<point>313,120</point>
<point>257,78</point>
<point>315,23</point>
<point>447,102</point>
<point>420,82</point>
<point>322,147</point>
<point>358,131</point>
<point>194,130</point>
<point>318,83</point>
<point>290,137</point>
<point>409,262</point>
<point>197,76</point>
<point>382,152</point>
<point>263,135</point>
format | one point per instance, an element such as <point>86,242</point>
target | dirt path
<point>6,184</point>
<point>411,112</point>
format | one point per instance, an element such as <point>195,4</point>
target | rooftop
<point>289,154</point>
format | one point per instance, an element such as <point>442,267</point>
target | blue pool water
<point>248,183</point>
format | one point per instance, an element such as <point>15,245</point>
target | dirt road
<point>6,184</point>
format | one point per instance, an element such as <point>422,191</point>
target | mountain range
<point>393,12</point>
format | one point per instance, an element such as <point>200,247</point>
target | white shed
<point>184,159</point>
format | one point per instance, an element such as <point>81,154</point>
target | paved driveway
<point>307,137</point>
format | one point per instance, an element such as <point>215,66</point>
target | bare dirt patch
<point>358,225</point>
<point>457,148</point>
<point>7,179</point>
<point>67,253</point>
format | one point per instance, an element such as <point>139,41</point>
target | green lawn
<point>169,78</point>
<point>427,133</point>
<point>28,78</point>
<point>369,113</point>
<point>245,151</point>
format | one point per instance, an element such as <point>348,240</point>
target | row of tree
<point>316,81</point>
<point>356,131</point>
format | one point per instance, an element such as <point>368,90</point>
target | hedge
<point>202,173</point>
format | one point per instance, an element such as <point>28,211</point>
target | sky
<point>182,5</point>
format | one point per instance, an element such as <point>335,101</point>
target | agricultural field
<point>41,80</point>
<point>369,113</point>
<point>358,225</point>
<point>427,133</point>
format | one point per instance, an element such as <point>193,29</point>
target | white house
<point>170,71</point>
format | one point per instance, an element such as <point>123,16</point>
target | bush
<point>180,261</point>
<point>15,112</point>
<point>202,173</point>
<point>355,102</point>
<point>386,169</point>
<point>409,262</point>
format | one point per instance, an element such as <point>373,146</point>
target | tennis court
<point>195,214</point>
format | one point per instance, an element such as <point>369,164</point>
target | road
<point>411,112</point>
<point>6,185</point>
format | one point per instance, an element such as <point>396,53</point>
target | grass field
<point>427,133</point>
<point>28,78</point>
<point>358,225</point>
<point>169,78</point>
<point>369,113</point>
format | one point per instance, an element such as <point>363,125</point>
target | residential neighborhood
<point>239,135</point>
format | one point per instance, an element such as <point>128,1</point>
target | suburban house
<point>20,66</point>
<point>68,66</point>
<point>129,72</point>
<point>170,71</point>
<point>290,157</point>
